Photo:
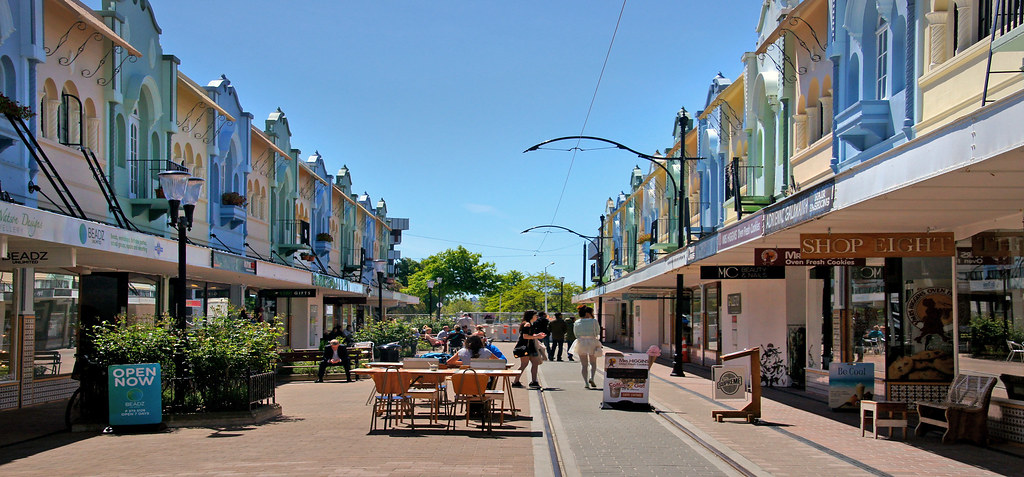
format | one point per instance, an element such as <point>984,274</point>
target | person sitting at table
<point>335,355</point>
<point>443,337</point>
<point>456,337</point>
<point>488,345</point>
<point>474,349</point>
<point>430,338</point>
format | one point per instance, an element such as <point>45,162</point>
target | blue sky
<point>431,103</point>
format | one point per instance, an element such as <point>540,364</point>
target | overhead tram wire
<point>586,119</point>
<point>463,242</point>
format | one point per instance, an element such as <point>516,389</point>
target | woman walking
<point>527,350</point>
<point>588,343</point>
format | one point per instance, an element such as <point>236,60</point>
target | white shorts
<point>587,345</point>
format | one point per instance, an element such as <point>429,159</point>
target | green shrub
<point>986,331</point>
<point>390,331</point>
<point>218,353</point>
<point>131,340</point>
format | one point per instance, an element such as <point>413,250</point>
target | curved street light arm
<point>653,159</point>
<point>591,239</point>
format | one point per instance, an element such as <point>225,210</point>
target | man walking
<point>570,335</point>
<point>541,326</point>
<point>558,327</point>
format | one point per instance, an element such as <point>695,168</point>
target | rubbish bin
<point>389,352</point>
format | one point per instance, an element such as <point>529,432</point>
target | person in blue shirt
<point>487,343</point>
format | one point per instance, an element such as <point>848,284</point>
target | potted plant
<point>307,256</point>
<point>324,237</point>
<point>232,198</point>
<point>10,107</point>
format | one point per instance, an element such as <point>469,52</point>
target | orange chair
<point>391,397</point>
<point>470,387</point>
<point>429,388</point>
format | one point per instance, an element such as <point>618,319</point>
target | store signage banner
<point>790,257</point>
<point>730,383</point>
<point>877,245</point>
<point>849,384</point>
<point>232,263</point>
<point>39,257</point>
<point>134,391</point>
<point>705,248</point>
<point>966,256</point>
<point>998,244</point>
<point>22,221</point>
<point>741,272</point>
<point>289,293</point>
<point>336,283</point>
<point>626,378</point>
<point>747,230</point>
<point>799,208</point>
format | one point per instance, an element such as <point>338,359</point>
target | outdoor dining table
<point>505,374</point>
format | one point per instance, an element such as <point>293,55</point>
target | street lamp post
<point>561,295</point>
<point>437,282</point>
<point>379,267</point>
<point>599,243</point>
<point>181,188</point>
<point>546,286</point>
<point>682,213</point>
<point>430,297</point>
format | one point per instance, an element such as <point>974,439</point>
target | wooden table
<point>887,414</point>
<point>505,374</point>
<point>384,364</point>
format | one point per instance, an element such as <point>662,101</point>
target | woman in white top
<point>473,349</point>
<point>587,344</point>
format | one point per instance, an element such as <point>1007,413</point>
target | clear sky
<point>431,103</point>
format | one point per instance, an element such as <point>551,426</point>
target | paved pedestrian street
<point>324,430</point>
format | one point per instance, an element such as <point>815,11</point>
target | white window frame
<point>882,60</point>
<point>133,155</point>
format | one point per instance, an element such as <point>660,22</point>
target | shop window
<point>7,329</point>
<point>55,302</point>
<point>921,318</point>
<point>867,324</point>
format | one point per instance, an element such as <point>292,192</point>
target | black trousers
<point>343,354</point>
<point>555,344</point>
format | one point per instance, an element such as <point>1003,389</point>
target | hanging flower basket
<point>11,107</point>
<point>324,237</point>
<point>232,198</point>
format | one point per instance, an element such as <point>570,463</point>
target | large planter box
<point>1014,386</point>
<point>232,215</point>
<point>321,247</point>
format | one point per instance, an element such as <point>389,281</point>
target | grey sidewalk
<point>592,441</point>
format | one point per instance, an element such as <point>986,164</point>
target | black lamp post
<point>598,242</point>
<point>181,188</point>
<point>378,267</point>
<point>437,283</point>
<point>682,213</point>
<point>430,297</point>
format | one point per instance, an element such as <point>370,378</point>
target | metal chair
<point>1015,349</point>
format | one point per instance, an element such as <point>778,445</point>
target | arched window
<point>133,154</point>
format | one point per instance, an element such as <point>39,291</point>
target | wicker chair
<point>964,413</point>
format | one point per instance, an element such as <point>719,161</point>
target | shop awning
<point>199,91</point>
<point>263,137</point>
<point>804,9</point>
<point>84,13</point>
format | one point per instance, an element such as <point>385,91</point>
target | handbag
<point>519,351</point>
<point>542,350</point>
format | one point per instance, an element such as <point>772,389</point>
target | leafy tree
<point>451,307</point>
<point>405,268</point>
<point>461,272</point>
<point>517,292</point>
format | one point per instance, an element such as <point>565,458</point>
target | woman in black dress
<point>526,348</point>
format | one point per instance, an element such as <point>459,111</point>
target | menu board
<point>626,378</point>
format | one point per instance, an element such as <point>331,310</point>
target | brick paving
<point>593,441</point>
<point>795,441</point>
<point>324,430</point>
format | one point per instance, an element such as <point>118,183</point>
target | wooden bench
<point>964,412</point>
<point>311,358</point>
